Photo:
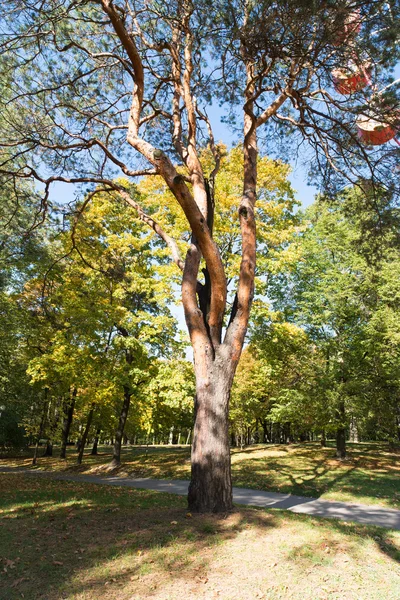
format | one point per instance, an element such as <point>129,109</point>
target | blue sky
<point>63,193</point>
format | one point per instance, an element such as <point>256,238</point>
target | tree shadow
<point>305,470</point>
<point>69,539</point>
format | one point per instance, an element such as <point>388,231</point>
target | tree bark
<point>171,435</point>
<point>354,437</point>
<point>85,436</point>
<point>69,408</point>
<point>41,427</point>
<point>210,488</point>
<point>95,443</point>
<point>323,438</point>
<point>49,448</point>
<point>341,432</point>
<point>116,459</point>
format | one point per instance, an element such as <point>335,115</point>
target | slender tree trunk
<point>95,443</point>
<point>341,432</point>
<point>323,438</point>
<point>265,430</point>
<point>41,427</point>
<point>116,459</point>
<point>171,436</point>
<point>69,408</point>
<point>210,488</point>
<point>85,435</point>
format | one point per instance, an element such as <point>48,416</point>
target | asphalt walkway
<point>346,511</point>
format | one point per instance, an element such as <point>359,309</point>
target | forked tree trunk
<point>85,436</point>
<point>69,408</point>
<point>210,488</point>
<point>116,459</point>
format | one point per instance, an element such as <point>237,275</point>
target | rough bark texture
<point>85,436</point>
<point>210,488</point>
<point>116,459</point>
<point>69,408</point>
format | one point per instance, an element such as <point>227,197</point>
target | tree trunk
<point>85,435</point>
<point>265,431</point>
<point>354,437</point>
<point>49,448</point>
<point>116,459</point>
<point>95,443</point>
<point>67,422</point>
<point>171,435</point>
<point>323,438</point>
<point>41,427</point>
<point>341,433</point>
<point>210,488</point>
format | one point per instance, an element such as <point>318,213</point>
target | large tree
<point>96,79</point>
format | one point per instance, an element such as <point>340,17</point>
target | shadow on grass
<point>370,475</point>
<point>58,540</point>
<point>63,538</point>
<point>309,471</point>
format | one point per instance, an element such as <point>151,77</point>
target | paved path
<point>360,513</point>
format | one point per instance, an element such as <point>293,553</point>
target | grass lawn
<point>371,475</point>
<point>63,540</point>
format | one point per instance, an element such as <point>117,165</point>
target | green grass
<point>63,540</point>
<point>371,475</point>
